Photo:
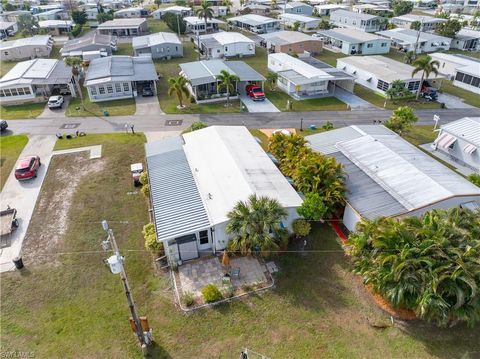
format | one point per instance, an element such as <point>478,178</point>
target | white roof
<point>473,69</point>
<point>155,39</point>
<point>174,8</point>
<point>413,17</point>
<point>229,165</point>
<point>382,67</point>
<point>457,59</point>
<point>408,36</point>
<point>287,37</point>
<point>468,34</point>
<point>194,20</point>
<point>351,35</point>
<point>252,19</point>
<point>304,69</point>
<point>299,18</point>
<point>226,38</point>
<point>129,10</point>
<point>55,23</point>
<point>37,40</point>
<point>6,24</point>
<point>122,23</point>
<point>294,4</point>
<point>330,6</point>
<point>467,128</point>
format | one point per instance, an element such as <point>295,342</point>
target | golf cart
<point>8,223</point>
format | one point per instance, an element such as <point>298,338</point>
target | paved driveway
<point>452,101</point>
<point>56,112</point>
<point>23,196</point>
<point>147,106</point>
<point>351,99</point>
<point>258,106</point>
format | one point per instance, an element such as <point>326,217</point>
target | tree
<point>273,4</point>
<point>178,86</point>
<point>427,66</point>
<point>226,81</point>
<point>415,25</point>
<point>409,57</point>
<point>174,22</point>
<point>159,2</point>
<point>77,29</point>
<point>205,12</point>
<point>75,63</point>
<point>103,16</point>
<point>27,24</point>
<point>228,4</point>
<point>391,26</point>
<point>301,228</point>
<point>324,24</point>
<point>449,28</point>
<point>7,6</point>
<point>397,90</point>
<point>79,17</point>
<point>272,78</point>
<point>401,7</point>
<point>474,178</point>
<point>145,186</point>
<point>312,207</point>
<point>296,25</point>
<point>402,119</point>
<point>428,264</point>
<point>256,225</point>
<point>180,3</point>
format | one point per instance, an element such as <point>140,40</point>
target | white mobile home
<point>429,23</point>
<point>226,44</point>
<point>124,27</point>
<point>389,177</point>
<point>26,48</point>
<point>460,140</point>
<point>93,41</point>
<point>162,45</point>
<point>326,9</point>
<point>304,22</point>
<point>406,40</point>
<point>130,13</point>
<point>355,20</point>
<point>466,40</point>
<point>196,179</point>
<point>181,11</point>
<point>255,23</point>
<point>196,25</point>
<point>299,8</point>
<point>355,42</point>
<point>468,77</point>
<point>7,28</point>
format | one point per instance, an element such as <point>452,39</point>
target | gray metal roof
<point>140,42</point>
<point>351,36</point>
<point>354,15</point>
<point>92,38</point>
<point>467,128</point>
<point>177,206</point>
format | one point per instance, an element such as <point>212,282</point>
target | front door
<point>187,247</point>
<point>204,241</point>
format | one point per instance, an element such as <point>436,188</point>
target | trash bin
<point>105,113</point>
<point>18,262</point>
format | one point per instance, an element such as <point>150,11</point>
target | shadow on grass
<point>158,352</point>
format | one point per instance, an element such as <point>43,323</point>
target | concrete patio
<point>195,275</point>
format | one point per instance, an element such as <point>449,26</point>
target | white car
<point>55,102</point>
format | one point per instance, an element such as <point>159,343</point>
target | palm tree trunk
<point>420,87</point>
<point>79,90</point>
<point>228,97</point>
<point>180,100</point>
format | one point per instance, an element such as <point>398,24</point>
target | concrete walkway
<point>451,101</point>
<point>147,106</point>
<point>160,135</point>
<point>95,151</point>
<point>258,106</point>
<point>23,196</point>
<point>351,99</point>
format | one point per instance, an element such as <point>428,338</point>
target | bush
<point>144,181</point>
<point>211,293</point>
<point>188,299</point>
<point>151,242</point>
<point>77,29</point>
<point>313,208</point>
<point>195,126</point>
<point>174,22</point>
<point>301,228</point>
<point>475,179</point>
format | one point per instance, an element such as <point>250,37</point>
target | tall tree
<point>79,17</point>
<point>205,12</point>
<point>27,24</point>
<point>178,86</point>
<point>256,224</point>
<point>75,63</point>
<point>402,119</point>
<point>401,7</point>
<point>226,81</point>
<point>409,57</point>
<point>272,78</point>
<point>449,28</point>
<point>427,66</point>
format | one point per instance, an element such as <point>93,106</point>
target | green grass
<point>330,57</point>
<point>419,135</point>
<point>382,102</point>
<point>6,66</point>
<point>157,26</point>
<point>468,97</point>
<point>10,149</point>
<point>123,107</point>
<point>55,54</point>
<point>261,136</point>
<point>124,49</point>
<point>28,110</point>
<point>279,99</point>
<point>94,139</point>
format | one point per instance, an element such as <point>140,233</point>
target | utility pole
<point>198,42</point>
<point>116,266</point>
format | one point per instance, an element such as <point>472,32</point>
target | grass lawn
<point>6,66</point>
<point>261,136</point>
<point>124,107</point>
<point>380,101</point>
<point>28,110</point>
<point>55,54</point>
<point>10,149</point>
<point>466,53</point>
<point>330,57</point>
<point>419,135</point>
<point>157,26</point>
<point>468,97</point>
<point>124,49</point>
<point>280,98</point>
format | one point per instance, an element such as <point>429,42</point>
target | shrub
<point>475,179</point>
<point>211,293</point>
<point>188,299</point>
<point>312,207</point>
<point>195,126</point>
<point>77,29</point>
<point>301,228</point>
<point>151,242</point>
<point>144,181</point>
<point>228,291</point>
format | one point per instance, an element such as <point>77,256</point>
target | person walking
<point>132,128</point>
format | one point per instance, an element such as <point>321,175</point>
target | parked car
<point>55,102</point>
<point>27,168</point>
<point>147,91</point>
<point>3,125</point>
<point>255,92</point>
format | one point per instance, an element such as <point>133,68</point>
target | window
<point>93,90</point>
<point>101,90</point>
<point>126,87</point>
<point>27,90</point>
<point>384,44</point>
<point>7,92</point>
<point>467,79</point>
<point>382,85</point>
<point>459,77</point>
<point>476,82</point>
<point>5,53</point>
<point>14,92</point>
<point>203,236</point>
<point>20,91</point>
<point>109,88</point>
<point>118,88</point>
<point>413,86</point>
<point>369,45</point>
<point>2,94</point>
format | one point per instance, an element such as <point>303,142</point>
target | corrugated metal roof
<point>467,128</point>
<point>177,205</point>
<point>37,71</point>
<point>158,38</point>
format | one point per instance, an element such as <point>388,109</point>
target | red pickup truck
<point>255,92</point>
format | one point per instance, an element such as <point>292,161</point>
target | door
<point>204,241</point>
<point>187,247</point>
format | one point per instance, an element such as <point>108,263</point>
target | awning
<point>469,149</point>
<point>445,140</point>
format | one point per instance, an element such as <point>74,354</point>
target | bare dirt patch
<point>50,219</point>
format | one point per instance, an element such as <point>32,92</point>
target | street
<point>161,122</point>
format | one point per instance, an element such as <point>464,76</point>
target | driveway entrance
<point>258,106</point>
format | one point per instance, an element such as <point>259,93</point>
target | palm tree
<point>228,4</point>
<point>427,66</point>
<point>75,63</point>
<point>178,86</point>
<point>272,78</point>
<point>225,81</point>
<point>256,224</point>
<point>409,57</point>
<point>205,12</point>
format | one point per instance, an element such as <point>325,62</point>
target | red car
<point>255,92</point>
<point>27,168</point>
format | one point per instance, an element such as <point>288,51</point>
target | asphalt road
<point>45,126</point>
